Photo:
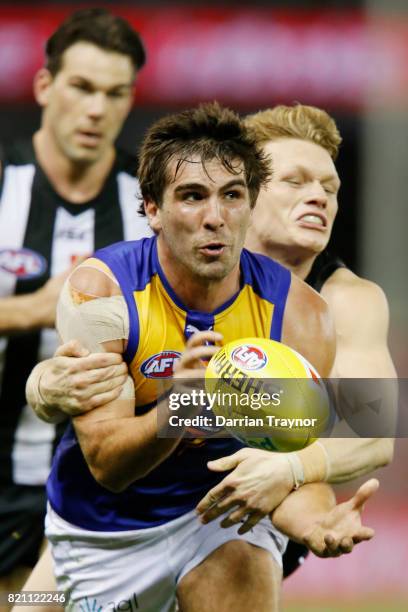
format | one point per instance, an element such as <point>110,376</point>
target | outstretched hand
<point>337,532</point>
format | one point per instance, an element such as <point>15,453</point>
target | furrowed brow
<point>190,187</point>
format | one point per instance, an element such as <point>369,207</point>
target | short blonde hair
<point>297,121</point>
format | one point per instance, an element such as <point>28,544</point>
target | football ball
<point>267,395</point>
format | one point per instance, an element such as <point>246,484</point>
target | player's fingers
<point>226,463</point>
<point>236,516</point>
<point>104,398</point>
<point>364,493</point>
<point>104,386</point>
<point>201,337</point>
<point>219,509</point>
<point>73,348</point>
<point>364,534</point>
<point>251,521</point>
<point>346,545</point>
<point>96,360</point>
<point>91,377</point>
<point>192,356</point>
<point>212,498</point>
<point>331,543</point>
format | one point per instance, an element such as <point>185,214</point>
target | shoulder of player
<point>348,295</point>
<point>308,326</point>
<point>19,153</point>
<point>93,279</point>
<point>301,294</point>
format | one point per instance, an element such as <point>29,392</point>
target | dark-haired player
<point>63,194</point>
<point>121,499</point>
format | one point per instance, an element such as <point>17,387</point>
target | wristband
<point>315,463</point>
<point>297,470</point>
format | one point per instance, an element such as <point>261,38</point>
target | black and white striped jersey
<point>40,235</point>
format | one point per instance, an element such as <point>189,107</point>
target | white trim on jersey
<point>134,225</point>
<point>73,235</point>
<point>14,211</point>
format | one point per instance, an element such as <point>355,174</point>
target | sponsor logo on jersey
<point>23,263</point>
<point>160,365</point>
<point>249,357</point>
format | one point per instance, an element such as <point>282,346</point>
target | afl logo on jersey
<point>249,357</point>
<point>160,365</point>
<point>23,263</point>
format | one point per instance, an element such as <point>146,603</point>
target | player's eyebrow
<point>328,178</point>
<point>198,186</point>
<point>92,85</point>
<point>189,186</point>
<point>234,183</point>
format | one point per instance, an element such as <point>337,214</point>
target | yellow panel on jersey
<point>160,323</point>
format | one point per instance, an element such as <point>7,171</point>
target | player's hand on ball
<point>199,349</point>
<point>77,381</point>
<point>341,528</point>
<point>260,480</point>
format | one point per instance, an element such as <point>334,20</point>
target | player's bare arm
<point>260,480</point>
<point>308,326</point>
<point>118,446</point>
<point>362,352</point>
<point>20,313</point>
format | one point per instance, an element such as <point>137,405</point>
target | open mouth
<point>212,249</point>
<point>90,138</point>
<point>313,221</point>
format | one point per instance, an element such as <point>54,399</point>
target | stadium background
<point>350,57</point>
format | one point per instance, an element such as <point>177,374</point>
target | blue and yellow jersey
<point>159,327</point>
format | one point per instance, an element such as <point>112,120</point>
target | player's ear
<point>153,214</point>
<point>42,83</point>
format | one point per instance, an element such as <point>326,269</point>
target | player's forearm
<point>46,412</point>
<point>20,313</point>
<point>341,459</point>
<point>121,451</point>
<point>302,508</point>
<point>349,458</point>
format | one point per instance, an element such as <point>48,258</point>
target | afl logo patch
<point>23,263</point>
<point>160,365</point>
<point>249,357</point>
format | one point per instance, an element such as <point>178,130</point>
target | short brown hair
<point>297,121</point>
<point>209,131</point>
<point>99,27</point>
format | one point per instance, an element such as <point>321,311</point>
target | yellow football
<point>267,395</point>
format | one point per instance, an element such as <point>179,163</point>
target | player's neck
<point>298,261</point>
<point>75,182</point>
<point>195,292</point>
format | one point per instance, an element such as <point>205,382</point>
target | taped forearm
<point>46,412</point>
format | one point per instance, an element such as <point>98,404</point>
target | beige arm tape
<point>93,322</point>
<point>311,464</point>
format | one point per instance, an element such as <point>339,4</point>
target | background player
<point>64,194</point>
